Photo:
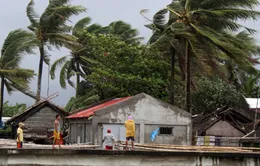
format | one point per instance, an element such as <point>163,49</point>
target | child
<point>109,140</point>
<point>20,135</point>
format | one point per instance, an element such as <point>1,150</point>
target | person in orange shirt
<point>130,131</point>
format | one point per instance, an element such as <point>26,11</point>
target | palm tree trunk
<point>39,81</point>
<point>78,78</point>
<point>181,62</point>
<point>188,78</point>
<point>172,52</point>
<point>2,99</point>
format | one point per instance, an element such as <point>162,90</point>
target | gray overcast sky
<point>13,16</point>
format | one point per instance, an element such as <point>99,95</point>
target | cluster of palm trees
<point>201,37</point>
<point>205,38</point>
<point>45,32</point>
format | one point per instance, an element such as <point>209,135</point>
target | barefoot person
<point>109,140</point>
<point>56,132</point>
<point>20,135</point>
<point>130,131</point>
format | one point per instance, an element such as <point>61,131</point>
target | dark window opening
<point>166,130</point>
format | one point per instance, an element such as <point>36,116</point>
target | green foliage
<point>250,88</point>
<point>79,62</point>
<point>11,110</point>
<point>202,32</point>
<point>126,69</point>
<point>86,95</point>
<point>6,130</point>
<point>213,94</point>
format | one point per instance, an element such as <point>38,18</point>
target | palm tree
<point>158,25</point>
<point>79,62</point>
<point>50,29</point>
<point>239,73</point>
<point>72,66</point>
<point>204,27</point>
<point>17,43</point>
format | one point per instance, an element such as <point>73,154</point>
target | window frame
<point>168,127</point>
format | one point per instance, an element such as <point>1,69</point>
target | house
<point>90,125</point>
<point>38,120</point>
<point>223,124</point>
<point>252,105</point>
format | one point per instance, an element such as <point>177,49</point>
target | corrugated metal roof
<point>252,102</point>
<point>89,112</point>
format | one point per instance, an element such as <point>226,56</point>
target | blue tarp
<point>154,134</point>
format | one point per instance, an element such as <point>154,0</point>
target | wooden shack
<point>223,124</point>
<point>38,120</point>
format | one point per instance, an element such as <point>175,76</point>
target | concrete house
<point>38,120</point>
<point>89,126</point>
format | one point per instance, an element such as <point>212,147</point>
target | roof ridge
<point>90,111</point>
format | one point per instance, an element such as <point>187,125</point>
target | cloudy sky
<point>13,16</point>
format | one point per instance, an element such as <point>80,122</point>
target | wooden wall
<point>36,126</point>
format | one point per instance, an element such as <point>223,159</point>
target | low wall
<point>48,157</point>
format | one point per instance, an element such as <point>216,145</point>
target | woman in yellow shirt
<point>130,131</point>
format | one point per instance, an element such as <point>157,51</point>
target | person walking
<point>130,131</point>
<point>19,139</point>
<point>56,132</point>
<point>109,140</point>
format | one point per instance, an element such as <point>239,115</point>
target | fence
<point>226,141</point>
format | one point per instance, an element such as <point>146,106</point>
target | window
<point>166,130</point>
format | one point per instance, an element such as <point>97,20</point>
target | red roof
<point>89,112</point>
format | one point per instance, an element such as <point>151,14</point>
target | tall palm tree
<point>204,27</point>
<point>17,43</point>
<point>50,29</point>
<point>158,25</point>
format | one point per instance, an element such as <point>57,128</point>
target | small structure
<point>222,127</point>
<point>252,105</point>
<point>38,120</point>
<point>89,126</point>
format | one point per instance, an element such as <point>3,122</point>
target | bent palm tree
<point>158,26</point>
<point>13,77</point>
<point>203,25</point>
<point>78,57</point>
<point>51,29</point>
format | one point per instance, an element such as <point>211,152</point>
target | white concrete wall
<point>178,137</point>
<point>150,114</point>
<point>122,160</point>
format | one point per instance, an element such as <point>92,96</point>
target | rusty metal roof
<point>90,111</point>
